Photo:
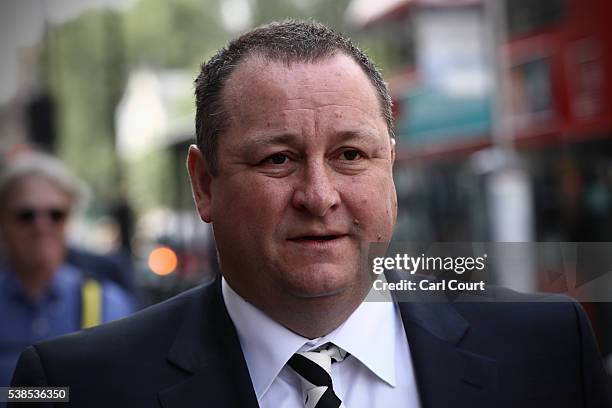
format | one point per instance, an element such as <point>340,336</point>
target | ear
<point>200,182</point>
<point>392,151</point>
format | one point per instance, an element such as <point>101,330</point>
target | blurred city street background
<point>503,119</point>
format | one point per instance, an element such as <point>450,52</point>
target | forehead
<point>36,190</point>
<point>259,85</point>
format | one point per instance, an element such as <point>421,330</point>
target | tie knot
<point>314,370</point>
<point>335,353</point>
<point>317,363</point>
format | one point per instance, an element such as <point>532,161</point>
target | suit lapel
<point>446,375</point>
<point>207,349</point>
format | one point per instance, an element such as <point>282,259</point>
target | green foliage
<point>329,12</point>
<point>172,34</point>
<point>87,61</point>
<point>87,78</point>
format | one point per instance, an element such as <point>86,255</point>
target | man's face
<point>304,179</point>
<point>32,224</point>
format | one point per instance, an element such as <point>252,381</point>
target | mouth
<point>318,239</point>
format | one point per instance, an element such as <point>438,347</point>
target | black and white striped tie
<point>314,370</point>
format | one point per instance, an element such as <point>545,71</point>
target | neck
<point>34,282</point>
<point>314,318</point>
<point>309,317</point>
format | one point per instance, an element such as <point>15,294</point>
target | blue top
<point>23,322</point>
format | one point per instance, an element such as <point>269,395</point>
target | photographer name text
<point>427,285</point>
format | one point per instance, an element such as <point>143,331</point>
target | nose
<point>44,222</point>
<point>315,192</point>
<point>42,225</point>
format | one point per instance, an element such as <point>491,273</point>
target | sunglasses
<point>30,215</point>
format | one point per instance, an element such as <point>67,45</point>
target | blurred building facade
<point>504,121</point>
<point>538,92</point>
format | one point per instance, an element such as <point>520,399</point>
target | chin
<point>45,262</point>
<point>321,282</point>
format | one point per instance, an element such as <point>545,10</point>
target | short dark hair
<point>286,41</point>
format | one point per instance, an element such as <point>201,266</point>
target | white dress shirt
<point>378,372</point>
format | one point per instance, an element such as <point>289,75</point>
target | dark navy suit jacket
<point>185,353</point>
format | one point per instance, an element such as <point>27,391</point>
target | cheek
<point>374,205</point>
<point>254,204</point>
<point>18,237</point>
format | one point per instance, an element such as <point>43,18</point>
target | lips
<point>317,238</point>
<point>325,239</point>
<point>316,235</point>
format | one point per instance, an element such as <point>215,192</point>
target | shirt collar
<point>368,334</point>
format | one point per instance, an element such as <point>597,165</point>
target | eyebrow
<point>368,135</point>
<point>254,141</point>
<point>265,140</point>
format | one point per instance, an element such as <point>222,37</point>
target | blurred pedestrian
<point>41,295</point>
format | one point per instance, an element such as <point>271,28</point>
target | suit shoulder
<point>520,317</point>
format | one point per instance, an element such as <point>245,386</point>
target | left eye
<point>351,155</point>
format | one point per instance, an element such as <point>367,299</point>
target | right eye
<point>276,158</point>
<point>278,164</point>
